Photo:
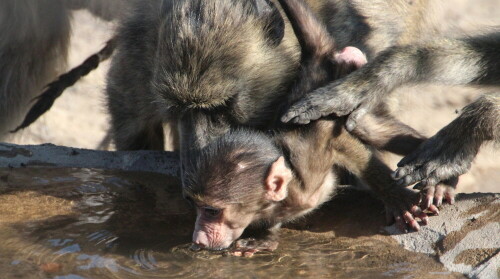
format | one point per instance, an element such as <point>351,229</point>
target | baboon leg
<point>451,151</point>
<point>134,132</point>
<point>402,204</point>
<point>389,134</point>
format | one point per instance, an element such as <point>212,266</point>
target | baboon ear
<point>274,23</point>
<point>350,57</point>
<point>277,180</point>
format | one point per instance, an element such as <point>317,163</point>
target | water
<point>79,223</point>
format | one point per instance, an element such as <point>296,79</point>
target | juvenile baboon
<point>246,177</point>
<point>33,48</point>
<point>472,61</point>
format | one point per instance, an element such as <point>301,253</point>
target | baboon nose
<point>200,239</point>
<point>199,245</point>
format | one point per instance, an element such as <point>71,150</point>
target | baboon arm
<point>456,62</point>
<point>388,134</point>
<point>451,151</point>
<point>401,203</point>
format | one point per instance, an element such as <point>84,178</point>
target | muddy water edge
<point>82,223</point>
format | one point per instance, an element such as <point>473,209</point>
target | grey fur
<point>473,60</point>
<point>451,151</point>
<point>33,47</point>
<point>209,65</point>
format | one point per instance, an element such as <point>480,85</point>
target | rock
<point>58,156</point>
<point>465,236</point>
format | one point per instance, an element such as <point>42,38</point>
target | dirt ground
<point>79,118</point>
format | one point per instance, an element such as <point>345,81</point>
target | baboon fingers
<point>423,216</point>
<point>353,118</point>
<point>296,110</point>
<point>407,160</point>
<point>434,195</point>
<point>399,173</point>
<point>429,197</point>
<point>302,112</point>
<point>433,209</point>
<point>410,220</point>
<point>412,177</point>
<point>307,116</point>
<point>450,196</point>
<point>438,195</point>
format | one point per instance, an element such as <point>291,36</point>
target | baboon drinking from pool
<point>248,177</point>
<point>213,66</point>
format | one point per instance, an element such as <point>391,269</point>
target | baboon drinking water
<point>247,177</point>
<point>212,66</point>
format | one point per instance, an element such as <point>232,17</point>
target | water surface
<point>80,223</point>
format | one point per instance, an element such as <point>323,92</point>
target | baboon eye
<point>212,212</point>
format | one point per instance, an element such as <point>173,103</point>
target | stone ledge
<point>14,156</point>
<point>465,236</point>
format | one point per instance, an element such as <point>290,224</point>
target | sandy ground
<point>79,118</point>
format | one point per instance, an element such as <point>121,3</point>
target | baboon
<point>451,151</point>
<point>211,66</point>
<point>246,176</point>
<point>474,61</point>
<point>33,49</point>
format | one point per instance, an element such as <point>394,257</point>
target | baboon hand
<point>335,99</point>
<point>401,207</point>
<point>248,247</point>
<point>438,159</point>
<point>434,195</point>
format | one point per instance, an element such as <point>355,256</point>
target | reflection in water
<point>57,223</point>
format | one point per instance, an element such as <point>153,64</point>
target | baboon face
<point>234,181</point>
<point>220,63</point>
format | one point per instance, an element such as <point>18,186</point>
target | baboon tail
<point>55,89</point>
